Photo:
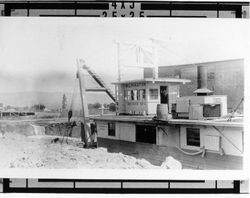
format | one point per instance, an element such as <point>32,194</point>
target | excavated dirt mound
<point>20,151</point>
<point>25,146</point>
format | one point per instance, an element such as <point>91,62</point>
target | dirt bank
<point>25,145</point>
<point>19,151</point>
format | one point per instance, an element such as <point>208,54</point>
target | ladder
<point>100,82</point>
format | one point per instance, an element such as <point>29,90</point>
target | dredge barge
<point>153,121</point>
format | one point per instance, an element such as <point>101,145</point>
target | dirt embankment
<point>25,145</point>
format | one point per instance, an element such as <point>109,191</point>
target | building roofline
<point>208,62</point>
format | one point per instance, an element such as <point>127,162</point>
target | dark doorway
<point>164,94</point>
<point>146,134</point>
<point>193,136</point>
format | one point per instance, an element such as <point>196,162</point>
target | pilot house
<point>140,97</point>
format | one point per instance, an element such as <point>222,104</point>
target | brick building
<point>224,78</point>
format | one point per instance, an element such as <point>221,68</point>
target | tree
<point>64,102</point>
<point>106,105</point>
<point>112,107</point>
<point>38,107</point>
<point>97,105</point>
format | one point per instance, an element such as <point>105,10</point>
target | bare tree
<point>64,102</point>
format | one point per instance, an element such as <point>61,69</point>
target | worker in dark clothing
<point>68,127</point>
<point>83,135</point>
<point>68,130</point>
<point>93,135</point>
<point>69,115</point>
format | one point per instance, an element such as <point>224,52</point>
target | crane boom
<point>85,131</point>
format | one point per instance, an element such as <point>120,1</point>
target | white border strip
<point>145,174</point>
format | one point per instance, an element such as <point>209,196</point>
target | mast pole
<point>118,61</point>
<point>155,52</point>
<point>118,45</point>
<point>84,134</point>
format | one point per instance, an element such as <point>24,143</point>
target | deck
<point>153,121</point>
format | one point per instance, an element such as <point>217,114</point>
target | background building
<point>224,78</point>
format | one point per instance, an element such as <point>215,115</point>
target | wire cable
<point>201,151</point>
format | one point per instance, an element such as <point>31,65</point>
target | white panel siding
<point>173,95</point>
<point>233,135</point>
<point>212,142</point>
<point>152,107</point>
<point>102,130</point>
<point>127,132</point>
<point>168,137</point>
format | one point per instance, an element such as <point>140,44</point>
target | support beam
<point>85,132</point>
<point>96,89</point>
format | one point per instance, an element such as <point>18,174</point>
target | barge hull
<point>156,154</point>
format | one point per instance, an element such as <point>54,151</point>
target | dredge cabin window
<point>146,134</point>
<point>193,136</point>
<point>142,94</point>
<point>153,94</point>
<point>111,129</point>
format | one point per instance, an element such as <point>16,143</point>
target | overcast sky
<point>39,54</point>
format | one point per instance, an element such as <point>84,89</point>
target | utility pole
<point>118,60</point>
<point>119,72</point>
<point>155,52</point>
<point>84,134</point>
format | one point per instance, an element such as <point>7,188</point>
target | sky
<point>39,54</point>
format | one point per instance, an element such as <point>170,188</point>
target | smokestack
<point>202,89</point>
